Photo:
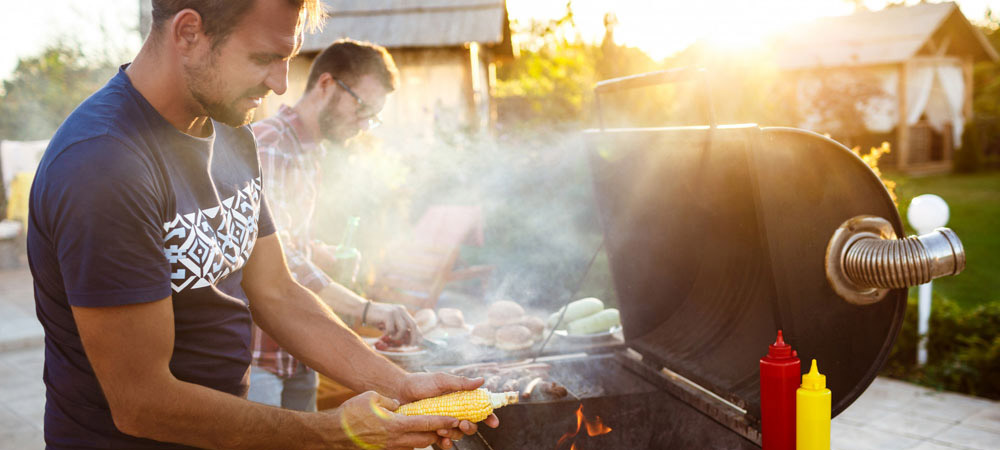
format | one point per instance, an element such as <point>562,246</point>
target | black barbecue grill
<point>718,236</point>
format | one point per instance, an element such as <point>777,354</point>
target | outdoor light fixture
<point>926,213</point>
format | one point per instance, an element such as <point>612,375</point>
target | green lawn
<point>974,204</point>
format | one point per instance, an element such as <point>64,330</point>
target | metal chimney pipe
<point>864,259</point>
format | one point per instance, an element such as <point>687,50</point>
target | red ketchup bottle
<point>779,378</point>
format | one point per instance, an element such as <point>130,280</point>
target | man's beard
<point>202,81</point>
<point>329,123</point>
<point>227,114</point>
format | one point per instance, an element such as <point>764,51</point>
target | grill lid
<point>717,239</point>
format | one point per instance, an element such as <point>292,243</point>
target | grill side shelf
<point>716,408</point>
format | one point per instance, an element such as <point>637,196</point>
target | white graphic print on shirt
<point>206,245</point>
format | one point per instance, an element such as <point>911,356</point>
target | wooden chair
<point>417,268</point>
<point>331,394</point>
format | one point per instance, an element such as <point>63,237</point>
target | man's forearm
<point>175,411</point>
<point>307,328</point>
<point>343,301</point>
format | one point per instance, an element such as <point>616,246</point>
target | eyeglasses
<point>373,119</point>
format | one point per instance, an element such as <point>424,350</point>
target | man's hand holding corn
<point>370,423</point>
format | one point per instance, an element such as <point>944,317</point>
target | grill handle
<point>864,260</point>
<point>680,74</point>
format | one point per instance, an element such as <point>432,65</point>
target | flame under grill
<point>633,400</point>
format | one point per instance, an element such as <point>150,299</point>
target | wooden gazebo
<point>921,59</point>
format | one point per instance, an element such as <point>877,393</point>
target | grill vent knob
<point>864,259</point>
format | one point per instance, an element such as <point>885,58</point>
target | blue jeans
<point>297,392</point>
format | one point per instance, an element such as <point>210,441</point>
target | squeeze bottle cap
<point>814,380</point>
<point>779,349</point>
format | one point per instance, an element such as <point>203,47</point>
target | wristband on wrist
<point>364,314</point>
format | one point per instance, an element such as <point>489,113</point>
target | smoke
<point>534,188</point>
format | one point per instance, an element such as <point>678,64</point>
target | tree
<point>45,88</point>
<point>981,138</point>
<point>551,82</point>
<point>987,73</point>
<point>840,100</point>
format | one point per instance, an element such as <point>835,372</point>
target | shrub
<point>871,159</point>
<point>963,349</point>
<point>969,157</point>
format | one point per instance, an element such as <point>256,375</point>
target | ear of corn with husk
<point>474,406</point>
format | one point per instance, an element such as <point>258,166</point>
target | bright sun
<point>738,39</point>
<point>663,27</point>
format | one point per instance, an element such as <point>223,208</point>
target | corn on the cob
<point>474,406</point>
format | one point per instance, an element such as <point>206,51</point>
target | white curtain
<point>952,82</point>
<point>919,82</point>
<point>937,112</point>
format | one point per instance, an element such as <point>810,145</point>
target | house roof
<point>414,23</point>
<point>888,36</point>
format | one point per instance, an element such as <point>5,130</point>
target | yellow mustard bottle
<point>812,412</point>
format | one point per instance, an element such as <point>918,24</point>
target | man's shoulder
<point>92,175</point>
<point>110,130</point>
<point>119,163</point>
<point>110,117</point>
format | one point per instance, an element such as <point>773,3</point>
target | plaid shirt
<point>290,162</point>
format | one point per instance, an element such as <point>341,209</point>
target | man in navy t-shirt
<point>151,247</point>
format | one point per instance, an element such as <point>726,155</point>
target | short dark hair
<point>218,17</point>
<point>347,60</point>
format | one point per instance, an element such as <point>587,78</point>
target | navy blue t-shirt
<point>126,209</point>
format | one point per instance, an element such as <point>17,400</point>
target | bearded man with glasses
<point>347,88</point>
